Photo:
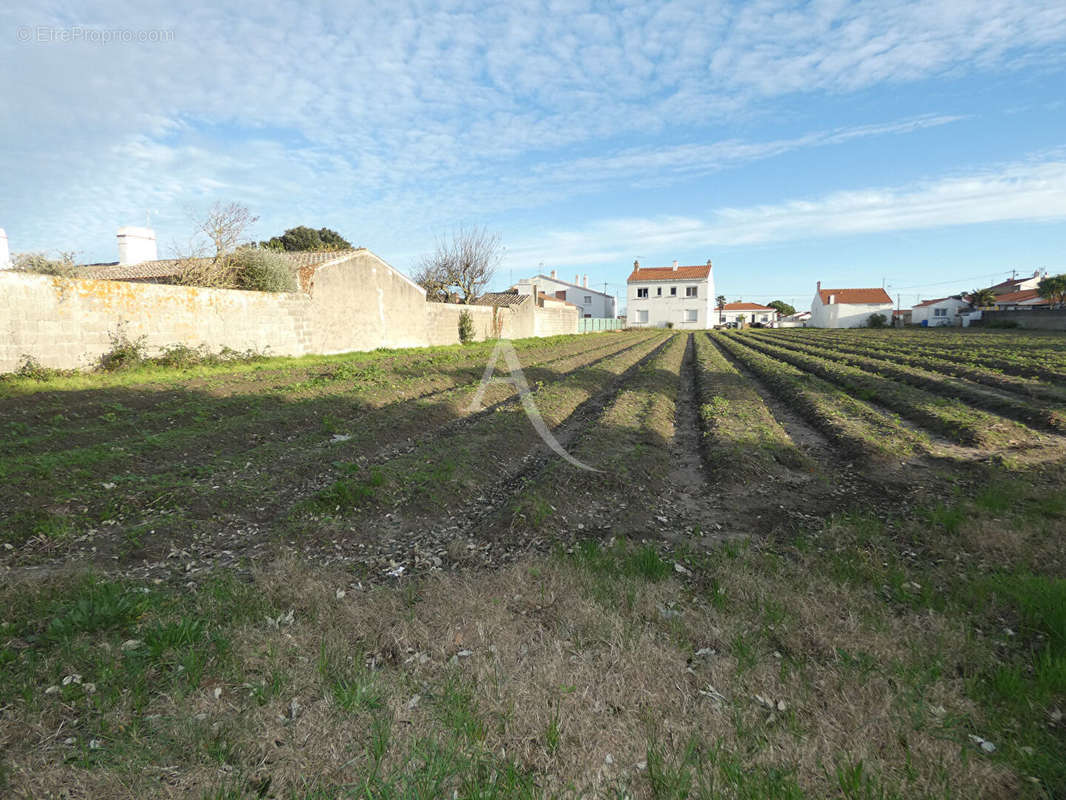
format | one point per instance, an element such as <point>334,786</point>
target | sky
<point>916,145</point>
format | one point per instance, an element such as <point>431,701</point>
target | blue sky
<point>919,145</point>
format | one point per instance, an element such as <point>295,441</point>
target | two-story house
<point>590,303</point>
<point>681,297</point>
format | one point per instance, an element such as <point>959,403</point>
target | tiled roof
<point>170,267</point>
<point>746,307</point>
<point>938,300</point>
<point>669,273</point>
<point>505,299</point>
<point>855,296</point>
<point>1018,297</point>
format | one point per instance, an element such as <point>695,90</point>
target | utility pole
<point>899,316</point>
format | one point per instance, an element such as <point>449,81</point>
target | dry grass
<point>569,669</point>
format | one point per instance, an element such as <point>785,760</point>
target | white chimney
<point>576,279</point>
<point>675,265</point>
<point>5,254</point>
<point>553,273</point>
<point>585,282</point>
<point>136,245</point>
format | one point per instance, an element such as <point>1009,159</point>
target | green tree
<point>303,238</point>
<point>720,301</point>
<point>1053,289</point>
<point>983,298</point>
<point>783,308</point>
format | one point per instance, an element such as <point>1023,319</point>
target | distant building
<point>1014,285</point>
<point>679,296</point>
<point>848,308</point>
<point>590,303</point>
<point>746,313</point>
<point>1017,301</point>
<point>942,311</point>
<point>801,319</point>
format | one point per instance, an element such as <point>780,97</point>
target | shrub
<point>124,353</point>
<point>877,321</point>
<point>32,369</point>
<point>262,270</point>
<point>62,267</point>
<point>466,327</point>
<point>1003,323</point>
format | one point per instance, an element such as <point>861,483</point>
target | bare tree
<point>460,268</point>
<point>226,225</point>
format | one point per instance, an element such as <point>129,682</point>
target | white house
<point>848,308</point>
<point>747,313</point>
<point>663,296</point>
<point>942,311</point>
<point>590,303</point>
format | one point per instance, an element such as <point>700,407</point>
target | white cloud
<point>1031,191</point>
<point>395,118</point>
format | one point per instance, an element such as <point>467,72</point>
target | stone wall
<point>360,303</point>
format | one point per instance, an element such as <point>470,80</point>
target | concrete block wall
<point>555,321</point>
<point>360,303</point>
<point>70,323</point>
<point>442,322</point>
<point>1035,319</point>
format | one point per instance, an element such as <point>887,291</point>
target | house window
<point>658,291</point>
<point>642,292</point>
<point>642,316</point>
<point>673,291</point>
<point>692,315</point>
<point>588,299</point>
<point>940,312</point>
<point>692,291</point>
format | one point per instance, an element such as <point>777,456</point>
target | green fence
<point>594,324</point>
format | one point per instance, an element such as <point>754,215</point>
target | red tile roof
<point>746,307</point>
<point>855,296</point>
<point>669,273</point>
<point>1019,297</point>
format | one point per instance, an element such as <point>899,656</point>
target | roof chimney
<point>585,281</point>
<point>576,279</point>
<point>636,265</point>
<point>819,286</point>
<point>708,262</point>
<point>553,273</point>
<point>675,265</point>
<point>136,245</point>
<point>5,254</point>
